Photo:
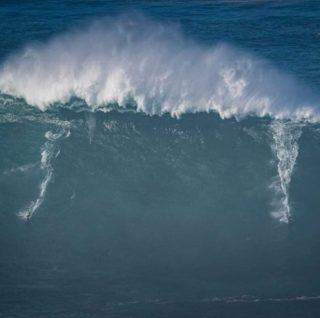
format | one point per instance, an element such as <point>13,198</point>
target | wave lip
<point>133,57</point>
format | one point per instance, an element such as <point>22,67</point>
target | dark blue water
<point>159,159</point>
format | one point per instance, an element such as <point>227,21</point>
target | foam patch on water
<point>247,299</point>
<point>153,65</point>
<point>20,169</point>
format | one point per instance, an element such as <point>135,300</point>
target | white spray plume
<point>158,67</point>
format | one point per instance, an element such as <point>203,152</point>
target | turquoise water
<point>159,159</point>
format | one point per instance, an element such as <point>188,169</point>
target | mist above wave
<point>154,65</point>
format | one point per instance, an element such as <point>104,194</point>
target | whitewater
<point>150,67</point>
<point>154,65</point>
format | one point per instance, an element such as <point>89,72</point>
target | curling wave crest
<point>154,66</point>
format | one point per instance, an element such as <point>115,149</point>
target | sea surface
<point>159,159</point>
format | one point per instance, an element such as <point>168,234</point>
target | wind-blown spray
<point>132,57</point>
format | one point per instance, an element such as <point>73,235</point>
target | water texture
<point>159,159</point>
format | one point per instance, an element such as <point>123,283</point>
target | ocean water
<point>159,159</point>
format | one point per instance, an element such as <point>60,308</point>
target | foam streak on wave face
<point>47,153</point>
<point>155,65</point>
<point>285,136</point>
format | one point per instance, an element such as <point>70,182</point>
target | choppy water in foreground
<point>162,163</point>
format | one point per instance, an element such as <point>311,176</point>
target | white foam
<point>226,300</point>
<point>155,65</point>
<point>20,169</point>
<point>48,152</point>
<point>286,135</point>
<point>46,155</point>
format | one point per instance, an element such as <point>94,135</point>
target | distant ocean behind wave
<point>159,159</point>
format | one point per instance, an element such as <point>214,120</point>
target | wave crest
<point>155,65</point>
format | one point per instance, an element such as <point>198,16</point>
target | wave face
<point>153,64</point>
<point>137,203</point>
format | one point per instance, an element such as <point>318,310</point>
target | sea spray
<point>285,136</point>
<point>157,67</point>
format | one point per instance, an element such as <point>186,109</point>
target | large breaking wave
<point>154,65</point>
